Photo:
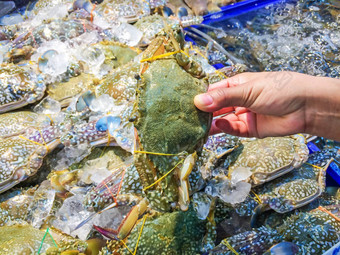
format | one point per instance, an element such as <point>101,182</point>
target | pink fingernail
<point>204,99</point>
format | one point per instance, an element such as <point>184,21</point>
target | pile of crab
<point>103,151</point>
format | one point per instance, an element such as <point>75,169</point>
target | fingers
<point>227,93</point>
<point>238,125</point>
<point>224,111</point>
<point>225,97</point>
<point>234,81</point>
<point>214,130</point>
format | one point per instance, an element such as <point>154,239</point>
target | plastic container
<point>239,9</point>
<point>333,171</point>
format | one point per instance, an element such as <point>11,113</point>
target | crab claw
<point>183,190</point>
<point>283,248</point>
<point>85,100</point>
<point>128,223</point>
<point>261,208</point>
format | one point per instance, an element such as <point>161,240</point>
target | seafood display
<point>104,152</point>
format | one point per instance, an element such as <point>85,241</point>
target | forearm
<point>323,108</point>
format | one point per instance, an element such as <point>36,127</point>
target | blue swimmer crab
<point>270,157</point>
<point>16,208</point>
<point>24,239</point>
<point>22,156</point>
<point>315,231</point>
<point>298,188</point>
<point>19,86</point>
<point>182,128</point>
<point>163,233</point>
<point>16,123</point>
<point>155,24</point>
<point>309,232</point>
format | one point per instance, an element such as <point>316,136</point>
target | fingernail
<point>204,99</point>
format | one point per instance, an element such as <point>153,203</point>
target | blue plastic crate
<point>333,171</point>
<point>239,9</point>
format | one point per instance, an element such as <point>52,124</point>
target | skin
<point>274,104</point>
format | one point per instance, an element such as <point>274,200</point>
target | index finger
<point>233,81</point>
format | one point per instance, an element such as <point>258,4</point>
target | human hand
<point>259,104</point>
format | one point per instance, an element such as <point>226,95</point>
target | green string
<point>43,239</point>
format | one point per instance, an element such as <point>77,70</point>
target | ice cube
<point>127,34</point>
<point>201,202</point>
<point>92,56</point>
<point>87,38</point>
<point>53,57</point>
<point>111,218</point>
<point>48,106</point>
<point>231,193</point>
<point>70,155</point>
<point>240,174</point>
<point>102,104</point>
<point>95,175</point>
<point>70,215</point>
<point>100,22</point>
<point>43,202</point>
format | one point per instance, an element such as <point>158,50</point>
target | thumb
<point>219,98</point>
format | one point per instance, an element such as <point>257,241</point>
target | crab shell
<point>315,231</point>
<point>121,84</point>
<point>116,54</point>
<point>19,86</point>
<point>165,233</point>
<point>21,157</point>
<point>168,120</point>
<point>256,241</point>
<point>271,157</point>
<point>296,189</point>
<point>14,123</point>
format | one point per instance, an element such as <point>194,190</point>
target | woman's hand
<point>273,104</point>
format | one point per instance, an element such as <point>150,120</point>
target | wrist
<point>322,110</point>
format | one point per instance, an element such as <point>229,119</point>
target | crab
<point>269,158</point>
<point>25,239</point>
<point>181,128</point>
<point>16,208</point>
<point>315,231</point>
<point>19,86</point>
<point>214,150</point>
<point>63,92</point>
<point>306,232</point>
<point>155,24</point>
<point>164,233</point>
<point>296,189</point>
<point>42,4</point>
<point>200,7</point>
<point>22,156</point>
<point>16,123</point>
<point>116,54</point>
<point>121,84</point>
<point>256,241</point>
